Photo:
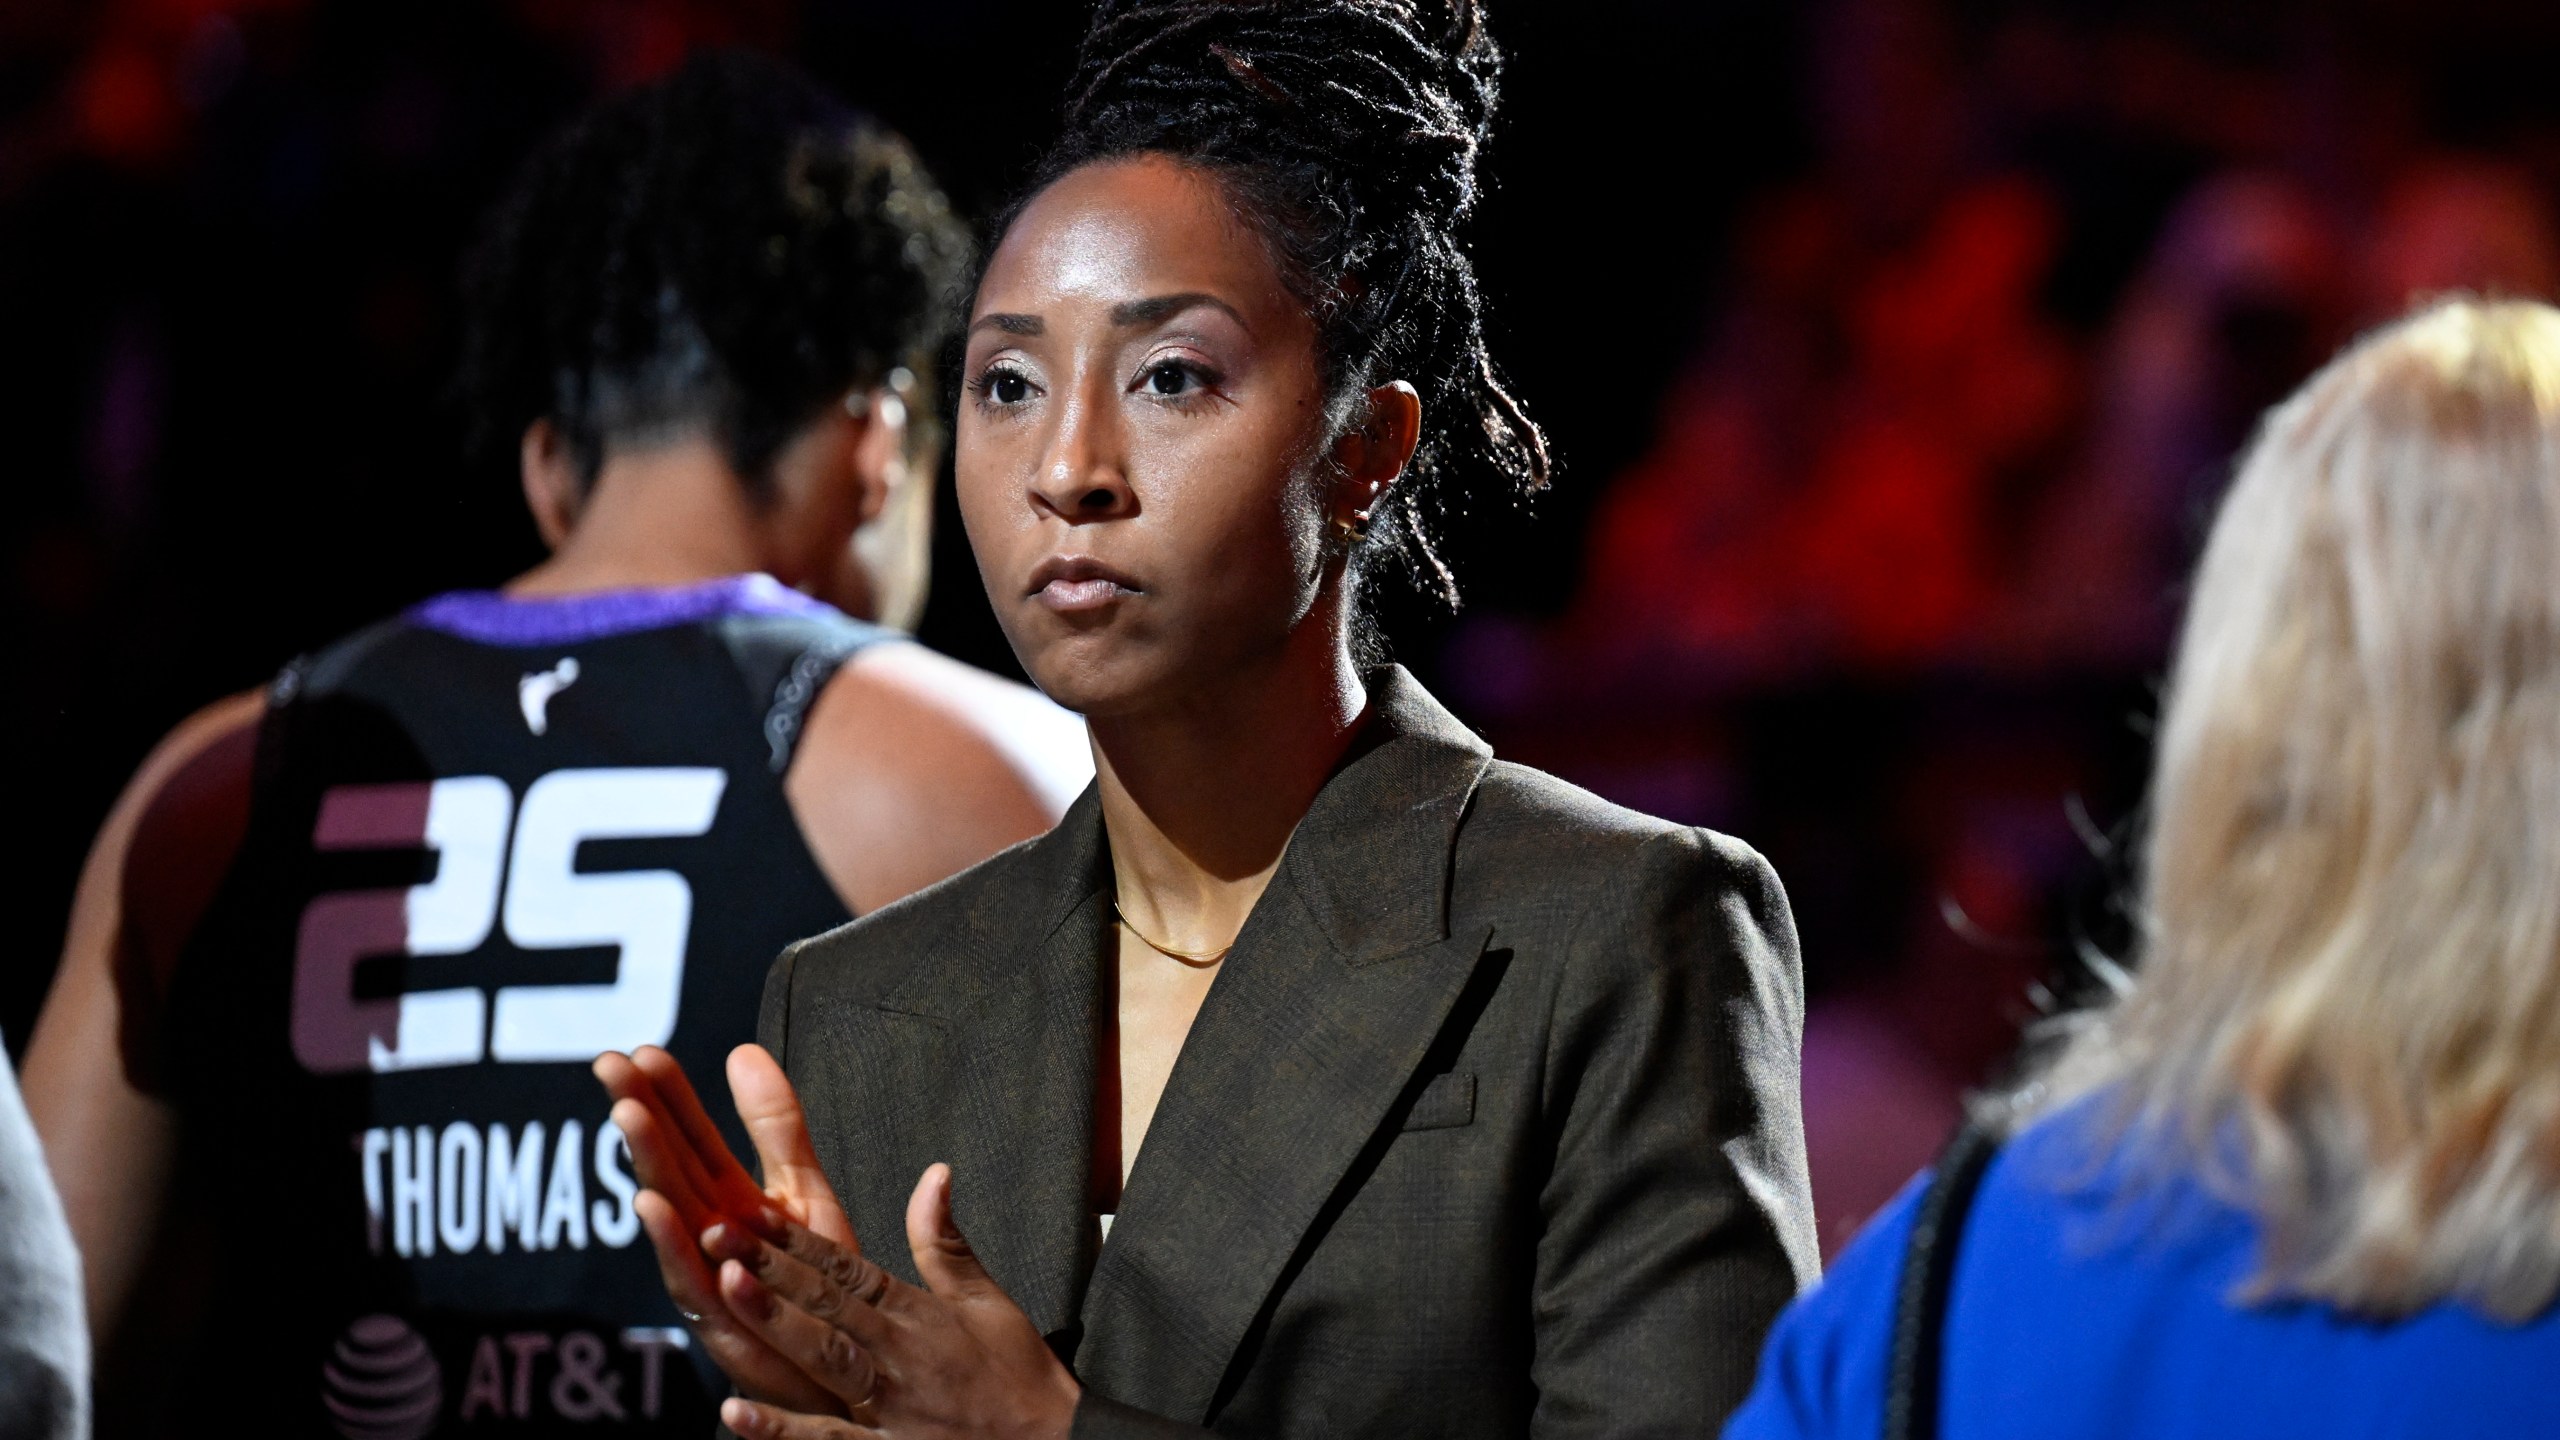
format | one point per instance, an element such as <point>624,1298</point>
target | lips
<point>1070,584</point>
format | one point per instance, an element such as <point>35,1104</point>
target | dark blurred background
<point>1894,350</point>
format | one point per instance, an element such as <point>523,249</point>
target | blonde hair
<point>2346,1017</point>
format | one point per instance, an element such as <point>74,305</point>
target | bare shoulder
<point>205,748</point>
<point>154,866</point>
<point>182,815</point>
<point>915,766</point>
<point>1014,724</point>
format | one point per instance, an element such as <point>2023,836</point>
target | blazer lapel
<point>1022,1002</point>
<point>1334,992</point>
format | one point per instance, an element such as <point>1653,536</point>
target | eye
<point>1002,385</point>
<point>1172,379</point>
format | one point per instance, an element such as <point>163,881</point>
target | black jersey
<point>488,840</point>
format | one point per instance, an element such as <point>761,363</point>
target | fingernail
<point>742,1292</point>
<point>773,1224</point>
<point>950,1222</point>
<point>739,1416</point>
<point>728,1243</point>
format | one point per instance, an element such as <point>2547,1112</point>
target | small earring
<point>1354,526</point>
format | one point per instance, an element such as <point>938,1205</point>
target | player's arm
<point>152,870</point>
<point>915,767</point>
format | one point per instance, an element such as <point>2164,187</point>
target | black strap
<point>798,689</point>
<point>1928,1270</point>
<point>787,661</point>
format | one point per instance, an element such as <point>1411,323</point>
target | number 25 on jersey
<point>481,881</point>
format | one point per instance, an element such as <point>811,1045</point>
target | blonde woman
<point>2302,1177</point>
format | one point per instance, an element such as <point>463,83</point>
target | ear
<point>893,535</point>
<point>550,477</point>
<point>879,449</point>
<point>1373,455</point>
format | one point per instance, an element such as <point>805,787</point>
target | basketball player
<point>345,948</point>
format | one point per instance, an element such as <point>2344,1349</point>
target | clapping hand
<point>820,1341</point>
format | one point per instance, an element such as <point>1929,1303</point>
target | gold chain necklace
<point>1187,957</point>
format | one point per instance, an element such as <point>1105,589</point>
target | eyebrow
<point>1157,309</point>
<point>1129,314</point>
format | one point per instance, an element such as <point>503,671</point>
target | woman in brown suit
<point>1319,1074</point>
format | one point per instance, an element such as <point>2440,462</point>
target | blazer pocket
<point>1447,1102</point>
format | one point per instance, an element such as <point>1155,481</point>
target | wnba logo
<point>382,1383</point>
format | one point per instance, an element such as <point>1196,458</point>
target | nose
<point>1084,469</point>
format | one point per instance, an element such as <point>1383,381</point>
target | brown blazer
<point>1488,1127</point>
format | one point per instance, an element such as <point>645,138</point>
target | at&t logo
<point>381,1382</point>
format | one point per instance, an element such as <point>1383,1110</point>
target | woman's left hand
<point>955,1358</point>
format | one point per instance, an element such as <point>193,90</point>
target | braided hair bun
<point>1347,131</point>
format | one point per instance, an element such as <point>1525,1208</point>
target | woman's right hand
<point>692,1181</point>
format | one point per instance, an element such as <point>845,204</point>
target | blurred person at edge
<point>44,1345</point>
<point>345,948</point>
<point>2300,1176</point>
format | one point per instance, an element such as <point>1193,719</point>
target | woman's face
<point>1139,443</point>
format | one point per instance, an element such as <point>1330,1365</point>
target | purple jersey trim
<point>490,617</point>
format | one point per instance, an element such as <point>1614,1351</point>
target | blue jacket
<point>2075,1314</point>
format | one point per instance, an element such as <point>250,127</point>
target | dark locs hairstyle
<point>1346,132</point>
<point>727,250</point>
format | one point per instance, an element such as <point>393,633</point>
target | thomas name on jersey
<point>466,1188</point>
